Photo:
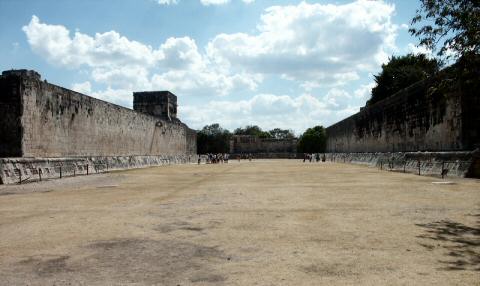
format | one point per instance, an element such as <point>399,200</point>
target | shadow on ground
<point>461,243</point>
<point>149,262</point>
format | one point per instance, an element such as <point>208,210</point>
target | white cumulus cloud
<point>221,2</point>
<point>270,111</point>
<point>83,87</point>
<point>266,110</point>
<point>307,47</point>
<point>417,50</point>
<point>203,2</point>
<point>312,43</point>
<point>108,49</point>
<point>124,64</point>
<point>167,2</point>
<point>214,2</point>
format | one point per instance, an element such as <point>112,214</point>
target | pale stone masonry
<point>263,147</point>
<point>422,128</point>
<point>414,119</point>
<point>44,120</point>
<point>41,120</point>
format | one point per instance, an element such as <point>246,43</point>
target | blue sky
<point>287,64</point>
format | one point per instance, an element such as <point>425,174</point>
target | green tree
<point>448,25</point>
<point>213,139</point>
<point>278,133</point>
<point>401,72</point>
<point>313,140</point>
<point>451,28</point>
<point>252,130</point>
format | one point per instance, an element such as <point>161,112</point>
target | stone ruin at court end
<point>47,131</point>
<point>240,145</point>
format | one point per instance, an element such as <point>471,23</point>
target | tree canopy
<point>213,139</point>
<point>279,133</point>
<point>401,72</point>
<point>449,27</point>
<point>313,140</point>
<point>252,130</point>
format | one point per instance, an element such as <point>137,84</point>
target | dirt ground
<point>269,222</point>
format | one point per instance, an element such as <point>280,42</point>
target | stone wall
<point>25,170</point>
<point>415,119</point>
<point>10,117</point>
<point>191,138</point>
<point>471,114</point>
<point>453,164</point>
<point>252,144</point>
<point>44,120</point>
<point>161,104</point>
<point>235,156</point>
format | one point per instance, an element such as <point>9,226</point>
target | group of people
<point>212,158</point>
<point>221,158</point>
<point>311,157</point>
<point>215,158</point>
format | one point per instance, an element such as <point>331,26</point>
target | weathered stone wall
<point>456,164</point>
<point>10,117</point>
<point>191,138</point>
<point>161,104</point>
<point>57,122</point>
<point>234,156</point>
<point>471,114</point>
<point>24,170</point>
<point>252,144</point>
<point>411,120</point>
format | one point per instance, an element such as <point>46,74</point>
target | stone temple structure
<point>46,129</point>
<point>161,104</point>
<point>263,147</point>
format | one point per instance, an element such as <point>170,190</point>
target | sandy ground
<point>274,222</point>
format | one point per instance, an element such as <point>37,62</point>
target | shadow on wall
<point>460,243</point>
<point>474,170</point>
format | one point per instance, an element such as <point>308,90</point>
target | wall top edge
<point>33,75</point>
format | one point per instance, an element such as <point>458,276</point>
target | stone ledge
<point>277,155</point>
<point>459,164</point>
<point>24,170</point>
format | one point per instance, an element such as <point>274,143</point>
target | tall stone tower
<point>162,104</point>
